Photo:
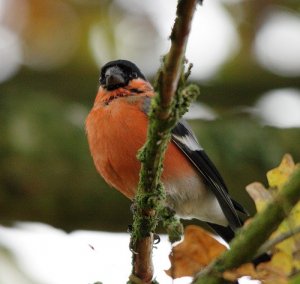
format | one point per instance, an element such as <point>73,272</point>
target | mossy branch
<point>245,245</point>
<point>171,101</point>
<point>170,73</point>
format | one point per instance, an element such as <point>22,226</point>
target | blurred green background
<point>50,55</point>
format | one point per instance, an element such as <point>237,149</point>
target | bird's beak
<point>114,78</point>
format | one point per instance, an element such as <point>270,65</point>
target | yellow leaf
<point>278,176</point>
<point>283,261</point>
<point>291,245</point>
<point>286,254</point>
<point>259,194</point>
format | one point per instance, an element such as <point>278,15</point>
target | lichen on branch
<point>172,100</point>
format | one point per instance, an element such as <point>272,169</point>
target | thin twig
<point>170,72</point>
<point>269,244</point>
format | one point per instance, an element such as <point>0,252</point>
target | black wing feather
<point>208,171</point>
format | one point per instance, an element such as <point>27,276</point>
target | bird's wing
<point>184,138</point>
<point>186,141</point>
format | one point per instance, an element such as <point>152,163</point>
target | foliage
<point>195,252</point>
<point>199,249</point>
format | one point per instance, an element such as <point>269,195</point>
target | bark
<point>164,114</point>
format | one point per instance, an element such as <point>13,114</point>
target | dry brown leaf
<point>266,272</point>
<point>246,269</point>
<point>195,252</point>
<point>271,274</point>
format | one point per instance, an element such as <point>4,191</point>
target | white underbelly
<point>190,198</point>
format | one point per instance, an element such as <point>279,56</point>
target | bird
<point>116,129</point>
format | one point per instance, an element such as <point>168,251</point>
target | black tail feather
<point>225,233</point>
<point>239,207</point>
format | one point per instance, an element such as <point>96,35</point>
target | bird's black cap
<point>118,73</point>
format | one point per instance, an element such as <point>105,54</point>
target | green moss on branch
<point>167,106</point>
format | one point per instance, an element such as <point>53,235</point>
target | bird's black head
<point>118,73</point>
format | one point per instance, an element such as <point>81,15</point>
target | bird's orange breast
<point>116,131</point>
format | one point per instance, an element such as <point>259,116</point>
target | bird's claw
<point>129,229</point>
<point>156,239</point>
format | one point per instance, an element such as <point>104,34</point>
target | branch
<point>269,244</point>
<point>169,74</point>
<point>163,116</point>
<point>245,245</point>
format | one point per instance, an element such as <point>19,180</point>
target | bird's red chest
<point>116,132</point>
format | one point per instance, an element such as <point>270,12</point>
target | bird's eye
<point>133,75</point>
